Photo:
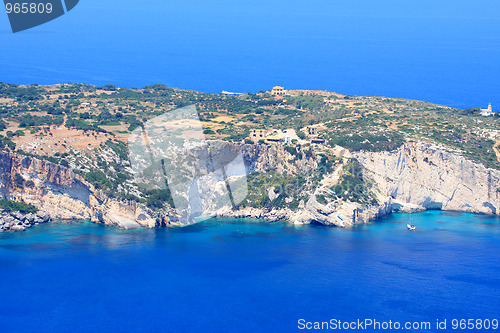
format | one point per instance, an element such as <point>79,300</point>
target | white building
<point>488,111</point>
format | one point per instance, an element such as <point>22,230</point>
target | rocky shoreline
<point>16,221</point>
<point>347,215</point>
<point>415,177</point>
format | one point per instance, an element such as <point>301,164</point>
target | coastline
<point>420,178</point>
<point>18,222</point>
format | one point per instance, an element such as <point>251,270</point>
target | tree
<point>109,87</point>
<point>472,111</point>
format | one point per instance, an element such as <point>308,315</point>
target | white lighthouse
<point>488,111</point>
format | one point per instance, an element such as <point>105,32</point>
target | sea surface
<point>248,276</point>
<point>444,51</point>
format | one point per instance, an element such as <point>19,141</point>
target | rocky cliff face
<point>62,194</point>
<point>262,158</point>
<point>420,176</point>
<point>415,177</point>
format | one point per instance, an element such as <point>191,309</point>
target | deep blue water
<point>442,51</point>
<point>228,276</point>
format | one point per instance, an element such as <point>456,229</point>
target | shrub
<point>13,206</point>
<point>291,150</point>
<point>99,179</point>
<point>18,180</point>
<point>158,197</point>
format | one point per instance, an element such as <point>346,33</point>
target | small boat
<point>411,227</point>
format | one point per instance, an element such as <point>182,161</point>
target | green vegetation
<point>32,121</point>
<point>120,148</point>
<point>292,150</point>
<point>99,180</point>
<point>387,141</point>
<point>354,186</point>
<point>15,206</point>
<point>354,122</point>
<point>7,143</point>
<point>83,125</point>
<point>289,190</point>
<point>20,93</point>
<point>157,198</point>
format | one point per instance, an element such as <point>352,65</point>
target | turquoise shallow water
<point>248,276</point>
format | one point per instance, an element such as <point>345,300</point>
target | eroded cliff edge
<point>62,194</point>
<point>420,176</point>
<point>415,177</point>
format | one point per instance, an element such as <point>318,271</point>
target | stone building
<point>278,91</point>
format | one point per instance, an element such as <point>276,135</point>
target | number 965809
<point>28,8</point>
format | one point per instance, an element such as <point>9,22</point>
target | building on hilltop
<point>273,135</point>
<point>311,130</point>
<point>278,91</point>
<point>488,111</point>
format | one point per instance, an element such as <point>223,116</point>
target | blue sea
<point>249,276</point>
<point>444,51</point>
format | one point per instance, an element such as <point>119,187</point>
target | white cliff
<point>62,194</point>
<point>415,177</point>
<point>420,176</point>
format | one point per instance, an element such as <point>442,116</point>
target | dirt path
<point>497,151</point>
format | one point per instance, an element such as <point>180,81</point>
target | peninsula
<point>309,156</point>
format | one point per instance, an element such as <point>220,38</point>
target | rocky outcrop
<point>16,221</point>
<point>63,194</point>
<point>265,214</point>
<point>416,177</point>
<point>344,214</point>
<point>421,176</point>
<point>274,157</point>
